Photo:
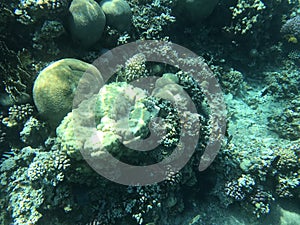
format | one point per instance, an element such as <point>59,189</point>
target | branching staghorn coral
<point>255,174</point>
<point>16,79</point>
<point>17,115</point>
<point>248,17</point>
<point>244,15</point>
<point>26,176</point>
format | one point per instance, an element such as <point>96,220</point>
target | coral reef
<point>34,132</point>
<point>2,131</point>
<point>150,18</point>
<point>257,21</point>
<point>286,122</point>
<point>231,81</point>
<point>115,124</point>
<point>16,78</point>
<point>246,13</point>
<point>135,68</point>
<point>250,46</point>
<point>261,202</point>
<point>17,114</point>
<point>273,165</point>
<point>21,174</point>
<point>284,83</point>
<point>44,39</point>
<point>122,116</point>
<point>32,11</point>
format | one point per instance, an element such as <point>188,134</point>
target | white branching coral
<point>150,18</point>
<point>244,15</point>
<point>31,11</point>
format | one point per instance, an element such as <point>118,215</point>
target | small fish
<point>195,220</point>
<point>264,92</point>
<point>275,161</point>
<point>228,140</point>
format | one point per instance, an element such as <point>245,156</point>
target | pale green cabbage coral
<point>55,87</point>
<point>118,14</point>
<point>121,117</point>
<point>86,21</point>
<point>120,111</point>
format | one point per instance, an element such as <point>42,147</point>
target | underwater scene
<point>150,112</point>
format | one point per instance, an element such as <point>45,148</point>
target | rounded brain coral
<point>55,87</point>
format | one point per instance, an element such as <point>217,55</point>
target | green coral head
<point>122,105</point>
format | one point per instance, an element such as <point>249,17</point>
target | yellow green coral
<point>55,87</point>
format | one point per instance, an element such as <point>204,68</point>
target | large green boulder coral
<point>118,14</point>
<point>86,21</point>
<point>55,87</point>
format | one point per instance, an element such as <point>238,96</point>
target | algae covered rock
<point>55,87</point>
<point>86,21</point>
<point>118,14</point>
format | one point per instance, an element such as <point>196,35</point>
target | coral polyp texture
<point>55,86</point>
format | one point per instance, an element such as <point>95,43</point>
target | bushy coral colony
<point>49,49</point>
